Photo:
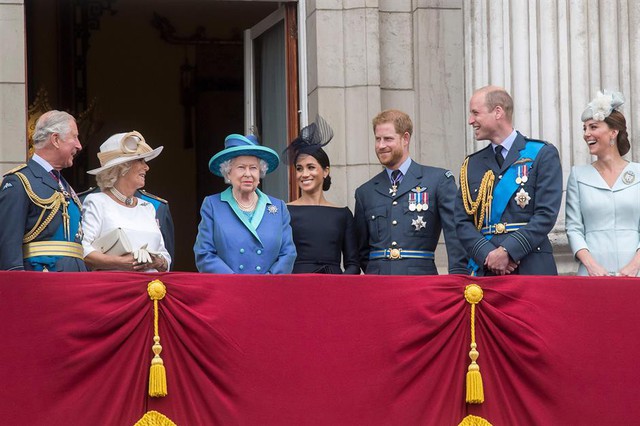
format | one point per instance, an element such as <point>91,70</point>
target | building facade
<point>425,57</point>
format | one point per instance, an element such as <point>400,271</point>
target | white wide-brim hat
<point>123,147</point>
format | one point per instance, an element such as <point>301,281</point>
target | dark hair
<point>616,121</point>
<point>323,159</point>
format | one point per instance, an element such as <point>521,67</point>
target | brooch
<point>629,177</point>
<point>418,223</point>
<point>272,209</point>
<point>522,198</point>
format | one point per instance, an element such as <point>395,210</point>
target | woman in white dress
<point>603,198</point>
<point>123,170</point>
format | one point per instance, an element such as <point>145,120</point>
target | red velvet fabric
<point>317,350</point>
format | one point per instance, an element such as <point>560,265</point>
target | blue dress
<point>604,220</point>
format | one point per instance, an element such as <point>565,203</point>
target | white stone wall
<point>13,121</point>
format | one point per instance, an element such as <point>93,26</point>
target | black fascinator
<point>310,140</point>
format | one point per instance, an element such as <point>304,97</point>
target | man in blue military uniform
<point>163,216</point>
<point>39,211</point>
<point>510,193</point>
<point>401,211</point>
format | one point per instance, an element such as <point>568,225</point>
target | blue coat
<point>530,244</point>
<point>18,215</point>
<point>228,243</point>
<point>382,219</point>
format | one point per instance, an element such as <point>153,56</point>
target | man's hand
<point>499,262</point>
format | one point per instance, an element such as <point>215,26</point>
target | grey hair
<point>225,169</point>
<point>51,122</point>
<point>107,178</point>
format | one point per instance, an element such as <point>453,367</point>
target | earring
<point>612,142</point>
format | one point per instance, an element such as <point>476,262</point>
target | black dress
<point>323,237</point>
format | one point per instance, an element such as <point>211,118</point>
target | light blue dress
<point>230,242</point>
<point>604,220</point>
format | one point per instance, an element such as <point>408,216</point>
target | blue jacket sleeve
<point>206,254</point>
<point>14,208</point>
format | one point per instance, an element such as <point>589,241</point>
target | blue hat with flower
<point>237,145</point>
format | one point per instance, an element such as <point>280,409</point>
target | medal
<point>421,197</point>
<point>393,190</point>
<point>523,172</point>
<point>418,222</point>
<point>522,198</point>
<point>412,202</point>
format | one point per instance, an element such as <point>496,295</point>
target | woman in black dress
<point>324,234</point>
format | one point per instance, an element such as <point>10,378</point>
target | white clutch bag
<point>114,243</point>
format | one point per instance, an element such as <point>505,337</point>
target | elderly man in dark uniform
<point>401,211</point>
<point>163,216</point>
<point>510,193</point>
<point>39,211</point>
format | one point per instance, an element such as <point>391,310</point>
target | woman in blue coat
<point>243,230</point>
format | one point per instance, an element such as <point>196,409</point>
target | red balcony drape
<point>75,349</point>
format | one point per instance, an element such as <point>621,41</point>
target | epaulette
<point>87,191</point>
<point>155,197</point>
<point>15,169</point>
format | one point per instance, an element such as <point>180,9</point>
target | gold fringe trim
<point>153,418</point>
<point>475,392</point>
<point>474,421</point>
<point>481,207</point>
<point>157,373</point>
<point>52,204</point>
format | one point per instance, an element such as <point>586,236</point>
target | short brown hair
<point>401,121</point>
<point>499,97</point>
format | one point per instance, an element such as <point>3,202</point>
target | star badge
<point>419,223</point>
<point>522,198</point>
<point>272,209</point>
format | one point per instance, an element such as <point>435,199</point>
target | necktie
<point>58,176</point>
<point>499,157</point>
<point>396,176</point>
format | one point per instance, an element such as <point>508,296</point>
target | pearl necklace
<point>127,201</point>
<point>247,207</point>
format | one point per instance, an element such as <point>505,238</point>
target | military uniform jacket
<point>18,215</point>
<point>383,219</point>
<point>530,244</point>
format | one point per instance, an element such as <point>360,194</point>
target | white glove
<point>142,255</point>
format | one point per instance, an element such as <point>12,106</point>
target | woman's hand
<point>593,268</point>
<point>631,269</point>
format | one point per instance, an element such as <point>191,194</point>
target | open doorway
<point>174,70</point>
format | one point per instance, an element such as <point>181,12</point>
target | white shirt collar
<point>44,163</point>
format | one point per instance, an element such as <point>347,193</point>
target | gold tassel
<point>475,391</point>
<point>157,373</point>
<point>474,421</point>
<point>154,418</point>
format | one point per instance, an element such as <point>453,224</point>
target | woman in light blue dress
<point>603,198</point>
